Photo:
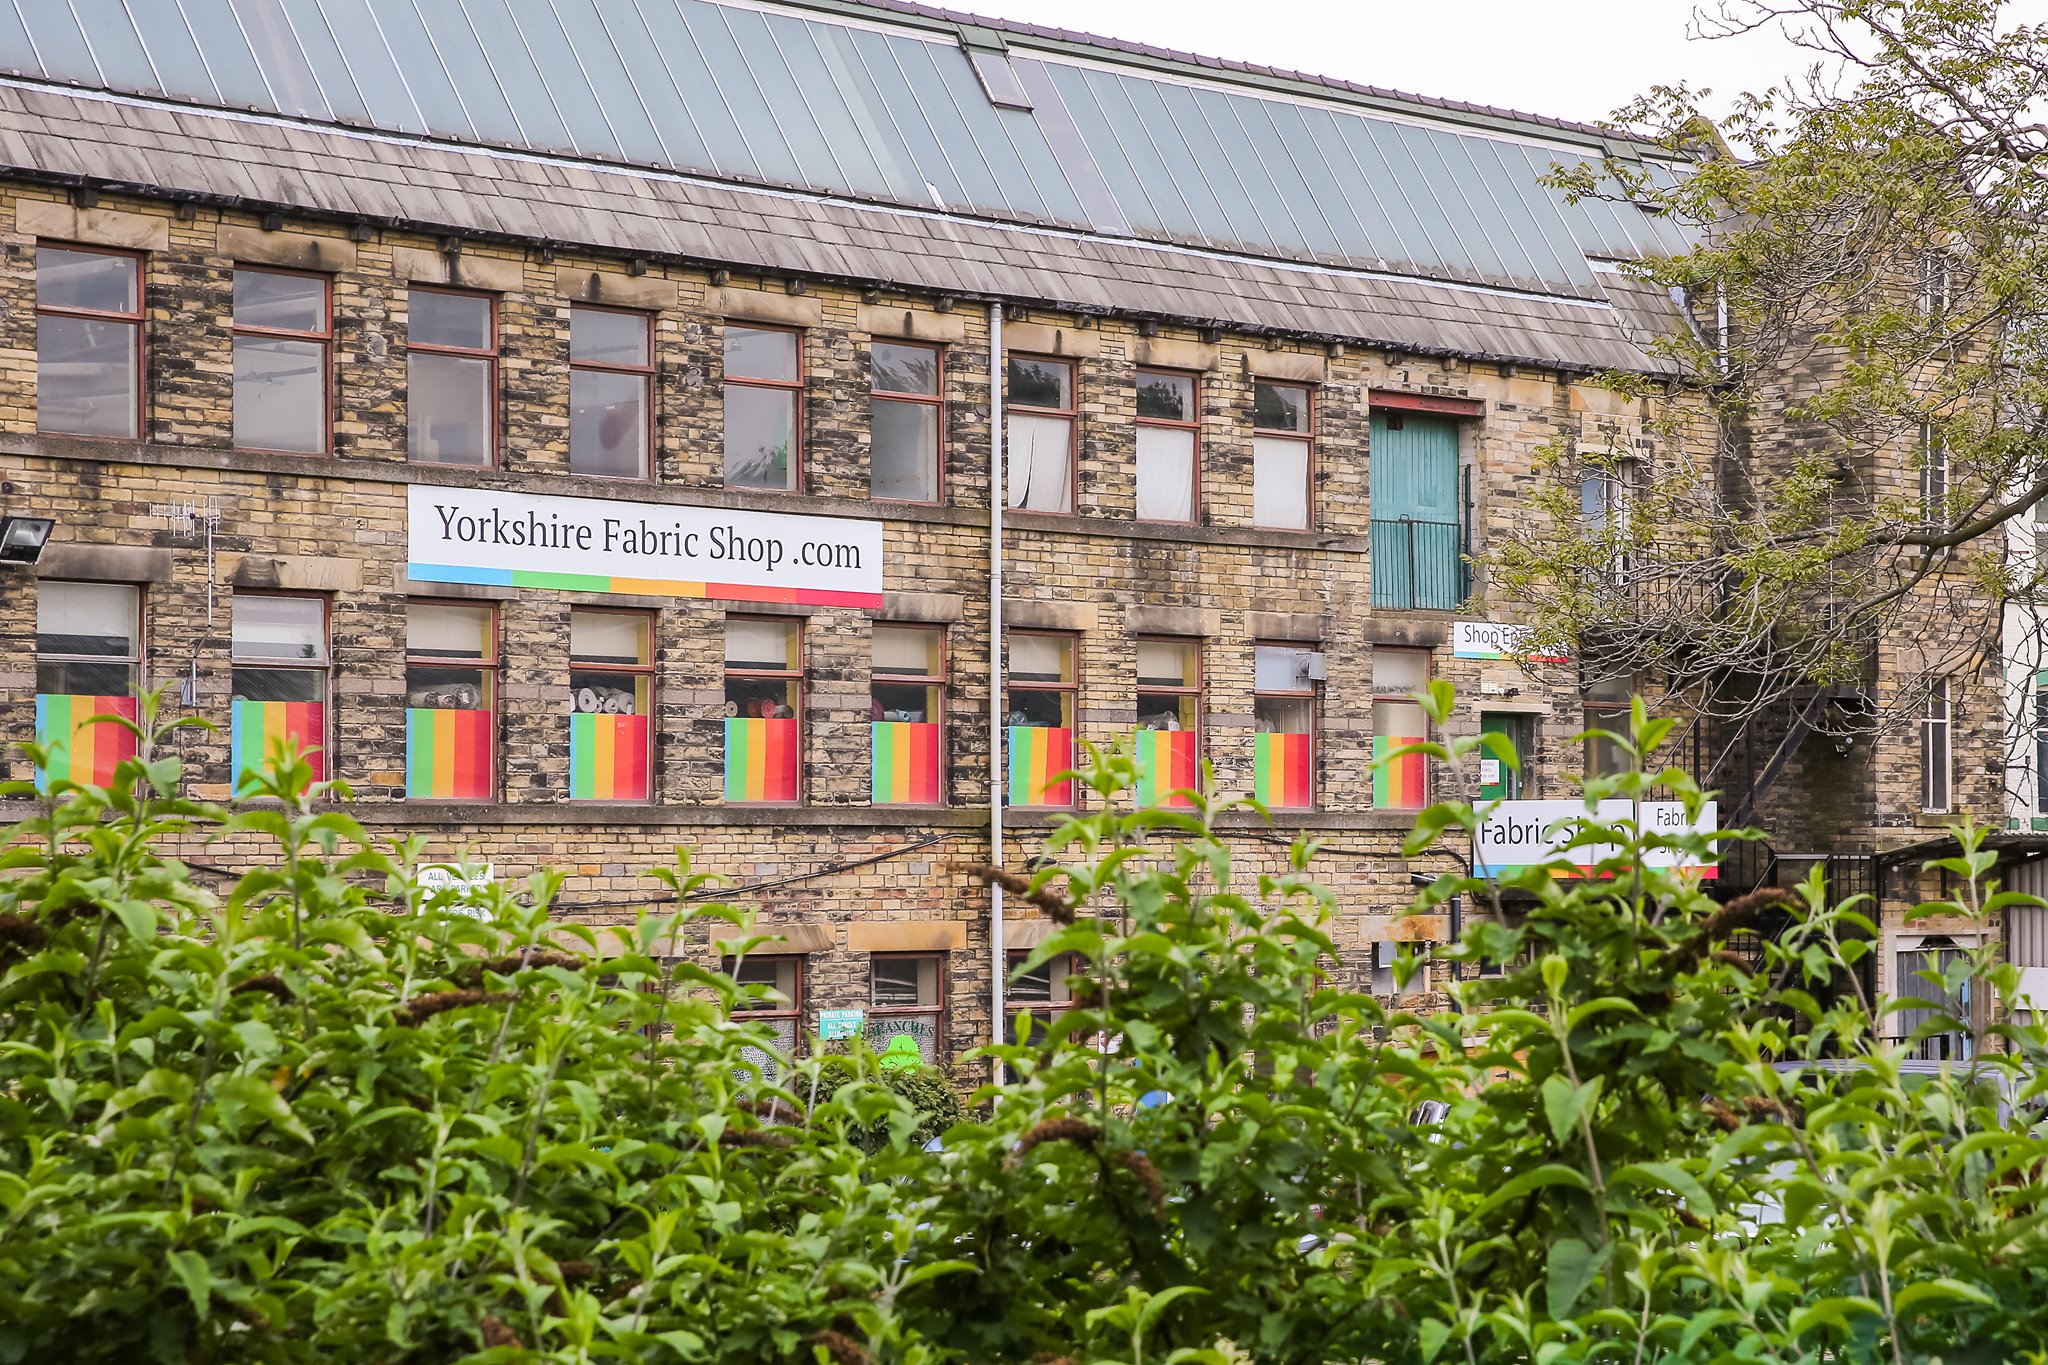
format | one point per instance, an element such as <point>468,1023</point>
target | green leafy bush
<point>316,1113</point>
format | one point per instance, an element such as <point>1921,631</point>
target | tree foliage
<point>320,1114</point>
<point>1869,298</point>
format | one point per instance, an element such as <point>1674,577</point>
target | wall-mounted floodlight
<point>22,538</point>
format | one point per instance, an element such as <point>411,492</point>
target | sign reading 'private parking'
<point>481,535</point>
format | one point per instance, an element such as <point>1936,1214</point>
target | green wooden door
<point>1519,730</point>
<point>1416,540</point>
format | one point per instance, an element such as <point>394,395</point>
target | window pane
<point>606,637</point>
<point>1041,658</point>
<point>1166,397</point>
<point>760,432</point>
<point>280,628</point>
<point>1280,407</point>
<point>1399,670</point>
<point>1398,721</point>
<point>754,354</point>
<point>1279,482</point>
<point>280,395</point>
<point>777,974</point>
<point>290,303</point>
<point>608,424</point>
<point>1166,663</point>
<point>443,630</point>
<point>281,684</point>
<point>906,369</point>
<point>1284,715</point>
<point>903,982</point>
<point>97,619</point>
<point>905,649</point>
<point>754,644</point>
<point>905,451</point>
<point>607,338</point>
<point>86,376</point>
<point>461,320</point>
<point>1041,463</point>
<point>1280,668</point>
<point>448,409</point>
<point>1041,383</point>
<point>85,279</point>
<point>1166,474</point>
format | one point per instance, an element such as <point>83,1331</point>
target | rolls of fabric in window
<point>586,699</point>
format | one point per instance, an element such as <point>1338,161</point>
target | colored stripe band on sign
<point>607,757</point>
<point>1168,767</point>
<point>1038,754</point>
<point>255,726</point>
<point>1283,771</point>
<point>649,587</point>
<point>907,757</point>
<point>762,758</point>
<point>447,754</point>
<point>89,751</point>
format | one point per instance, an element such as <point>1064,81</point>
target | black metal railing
<point>1418,565</point>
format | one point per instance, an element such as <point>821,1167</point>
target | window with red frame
<point>906,1018</point>
<point>907,422</point>
<point>451,386</point>
<point>88,342</point>
<point>1169,423</point>
<point>283,330</point>
<point>763,427</point>
<point>611,387</point>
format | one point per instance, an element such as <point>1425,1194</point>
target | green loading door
<point>1416,541</point>
<point>1507,783</point>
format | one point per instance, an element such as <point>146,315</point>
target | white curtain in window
<point>1166,475</point>
<point>1041,463</point>
<point>1279,482</point>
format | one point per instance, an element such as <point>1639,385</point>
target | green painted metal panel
<point>1416,541</point>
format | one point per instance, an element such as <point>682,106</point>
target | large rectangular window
<point>611,699</point>
<point>611,388</point>
<point>1397,719</point>
<point>281,668</point>
<point>1283,440</point>
<point>1605,707</point>
<point>906,1007</point>
<point>1041,995</point>
<point>283,328</point>
<point>1040,718</point>
<point>1284,714</point>
<point>764,706</point>
<point>1169,423</point>
<point>1169,721</point>
<point>774,996</point>
<point>1936,755</point>
<point>451,378</point>
<point>1039,417</point>
<point>88,342</point>
<point>907,422</point>
<point>763,429</point>
<point>907,689</point>
<point>88,663</point>
<point>451,697</point>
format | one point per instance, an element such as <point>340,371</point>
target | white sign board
<point>1491,640</point>
<point>521,540</point>
<point>461,884</point>
<point>1521,834</point>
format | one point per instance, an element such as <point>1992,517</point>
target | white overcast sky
<point>1575,59</point>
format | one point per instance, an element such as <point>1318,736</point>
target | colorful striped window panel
<point>1169,722</point>
<point>90,749</point>
<point>611,691</point>
<point>906,694</point>
<point>257,728</point>
<point>762,759</point>
<point>451,695</point>
<point>1283,770</point>
<point>1038,755</point>
<point>1403,783</point>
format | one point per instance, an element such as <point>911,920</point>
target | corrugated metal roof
<point>162,149</point>
<point>862,104</point>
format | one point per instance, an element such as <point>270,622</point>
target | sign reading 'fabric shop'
<point>482,535</point>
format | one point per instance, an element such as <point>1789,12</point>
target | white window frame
<point>1937,750</point>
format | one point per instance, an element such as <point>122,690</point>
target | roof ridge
<point>1229,65</point>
